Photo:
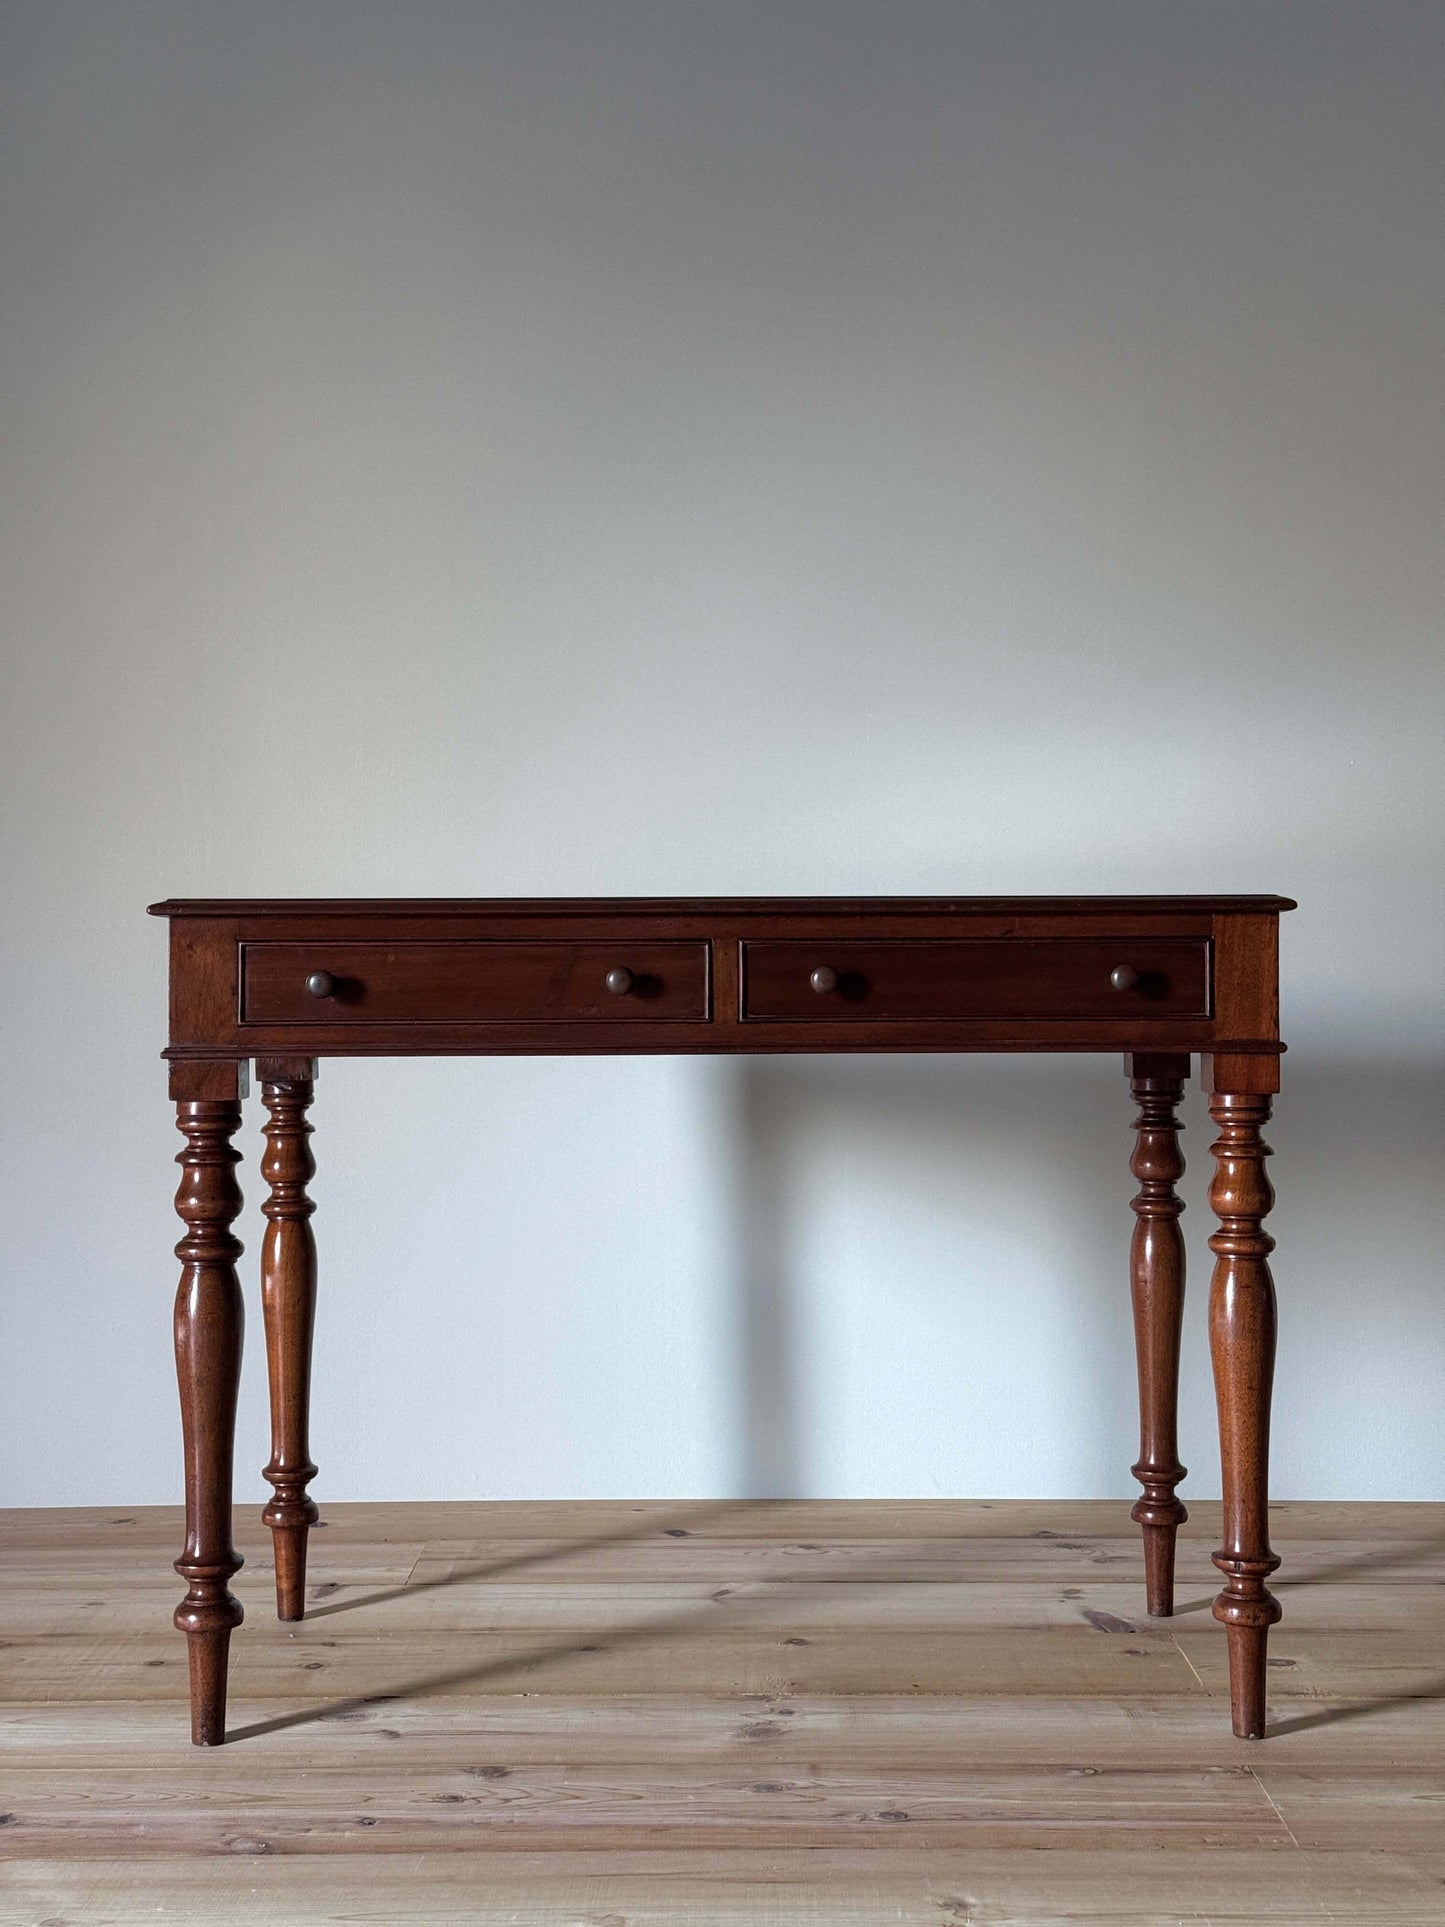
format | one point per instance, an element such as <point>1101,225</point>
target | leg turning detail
<point>209,1322</point>
<point>288,1297</point>
<point>1156,1276</point>
<point>1242,1341</point>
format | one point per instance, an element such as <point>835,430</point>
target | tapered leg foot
<point>288,1299</point>
<point>209,1656</point>
<point>1242,1342</point>
<point>289,1541</point>
<point>1159,1567</point>
<point>1248,1641</point>
<point>1246,1680</point>
<point>1156,1278</point>
<point>209,1322</point>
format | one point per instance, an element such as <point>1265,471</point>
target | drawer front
<point>959,978</point>
<point>482,982</point>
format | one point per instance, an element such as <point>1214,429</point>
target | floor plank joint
<point>563,1714</point>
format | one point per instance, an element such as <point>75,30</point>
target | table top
<point>709,906</point>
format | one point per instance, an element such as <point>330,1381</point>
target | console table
<point>285,982</point>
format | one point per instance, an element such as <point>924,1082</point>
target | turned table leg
<point>288,1299</point>
<point>1156,1277</point>
<point>1242,1339</point>
<point>209,1323</point>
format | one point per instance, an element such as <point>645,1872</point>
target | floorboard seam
<point>1189,1663</point>
<point>1269,1796</point>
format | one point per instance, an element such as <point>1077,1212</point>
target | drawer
<point>958,978</point>
<point>489,981</point>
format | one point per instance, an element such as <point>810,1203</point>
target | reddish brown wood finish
<point>211,941</point>
<point>1156,1276</point>
<point>707,907</point>
<point>491,982</point>
<point>414,977</point>
<point>209,1324</point>
<point>1241,1340</point>
<point>288,1301</point>
<point>956,978</point>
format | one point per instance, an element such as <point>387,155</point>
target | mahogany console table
<point>287,982</point>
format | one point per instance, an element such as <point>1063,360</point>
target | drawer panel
<point>959,978</point>
<point>486,981</point>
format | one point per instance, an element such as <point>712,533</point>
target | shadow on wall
<point>870,1193</point>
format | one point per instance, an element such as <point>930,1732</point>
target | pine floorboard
<point>624,1715</point>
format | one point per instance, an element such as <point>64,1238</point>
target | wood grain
<point>980,1724</point>
<point>852,1887</point>
<point>1156,1281</point>
<point>288,1303</point>
<point>962,977</point>
<point>1242,1343</point>
<point>482,977</point>
<point>494,980</point>
<point>209,1322</point>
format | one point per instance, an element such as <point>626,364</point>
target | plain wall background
<point>755,446</point>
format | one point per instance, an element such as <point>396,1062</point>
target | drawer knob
<point>1123,976</point>
<point>619,981</point>
<point>824,979</point>
<point>321,983</point>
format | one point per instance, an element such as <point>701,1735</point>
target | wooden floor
<point>608,1715</point>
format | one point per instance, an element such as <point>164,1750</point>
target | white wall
<point>764,445</point>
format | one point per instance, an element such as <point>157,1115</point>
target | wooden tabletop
<point>708,906</point>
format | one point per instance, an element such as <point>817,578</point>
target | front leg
<point>1156,1278</point>
<point>209,1324</point>
<point>288,1299</point>
<point>1242,1341</point>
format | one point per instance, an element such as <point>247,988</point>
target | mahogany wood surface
<point>491,981</point>
<point>952,977</point>
<point>706,907</point>
<point>1205,967</point>
<point>1156,1275</point>
<point>1241,1342</point>
<point>209,1323</point>
<point>288,1303</point>
<point>284,982</point>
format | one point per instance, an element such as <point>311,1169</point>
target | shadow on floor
<point>679,1527</point>
<point>673,1625</point>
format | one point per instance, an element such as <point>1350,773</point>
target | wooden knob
<point>321,983</point>
<point>619,981</point>
<point>1123,976</point>
<point>824,979</point>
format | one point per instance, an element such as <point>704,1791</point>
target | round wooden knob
<point>321,983</point>
<point>824,979</point>
<point>1123,976</point>
<point>619,981</point>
